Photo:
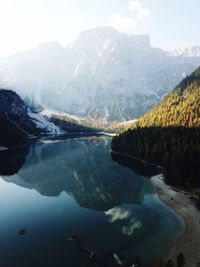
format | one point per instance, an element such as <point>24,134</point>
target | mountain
<point>169,134</point>
<point>71,124</point>
<point>20,123</point>
<point>104,75</point>
<point>189,52</point>
<point>16,125</point>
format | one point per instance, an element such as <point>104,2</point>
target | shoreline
<point>138,159</point>
<point>59,136</point>
<point>188,241</point>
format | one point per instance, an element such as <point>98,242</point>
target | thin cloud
<point>130,229</point>
<point>141,12</point>
<point>117,214</point>
<point>126,23</point>
<point>122,23</point>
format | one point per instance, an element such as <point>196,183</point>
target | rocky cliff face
<point>105,75</point>
<point>13,109</point>
<point>16,125</point>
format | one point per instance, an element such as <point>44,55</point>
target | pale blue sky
<point>26,23</point>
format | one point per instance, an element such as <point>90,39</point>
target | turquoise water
<point>76,187</point>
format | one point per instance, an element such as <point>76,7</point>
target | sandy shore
<point>189,240</point>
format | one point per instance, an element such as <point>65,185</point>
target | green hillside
<point>169,135</point>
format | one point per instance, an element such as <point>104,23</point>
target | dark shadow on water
<point>11,161</point>
<point>139,167</point>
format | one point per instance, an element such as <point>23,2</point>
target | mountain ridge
<point>193,51</point>
<point>103,75</point>
<point>19,123</point>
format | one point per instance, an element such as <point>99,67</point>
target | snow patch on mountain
<point>50,113</point>
<point>43,123</point>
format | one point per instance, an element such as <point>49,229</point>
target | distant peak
<point>193,51</point>
<point>100,34</point>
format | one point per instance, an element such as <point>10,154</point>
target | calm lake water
<point>76,187</point>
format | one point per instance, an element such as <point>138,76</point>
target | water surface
<point>76,187</point>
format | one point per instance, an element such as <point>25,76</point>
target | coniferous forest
<point>169,135</point>
<point>10,135</point>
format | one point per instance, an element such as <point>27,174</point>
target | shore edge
<point>188,242</point>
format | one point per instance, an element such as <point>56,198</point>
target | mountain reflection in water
<point>83,170</point>
<point>117,209</point>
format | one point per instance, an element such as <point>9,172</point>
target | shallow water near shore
<point>76,187</point>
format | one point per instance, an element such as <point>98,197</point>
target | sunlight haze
<point>25,24</point>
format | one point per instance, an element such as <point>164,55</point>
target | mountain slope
<point>19,123</point>
<point>169,134</point>
<point>16,125</point>
<point>104,75</point>
<point>180,108</point>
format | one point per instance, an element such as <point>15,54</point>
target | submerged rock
<point>22,232</point>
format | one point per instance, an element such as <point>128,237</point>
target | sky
<point>25,24</point>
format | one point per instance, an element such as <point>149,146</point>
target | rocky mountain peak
<point>187,52</point>
<point>11,103</point>
<point>104,75</point>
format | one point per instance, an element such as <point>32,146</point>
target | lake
<point>55,189</point>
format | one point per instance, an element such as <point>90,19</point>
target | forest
<point>10,135</point>
<point>169,134</point>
